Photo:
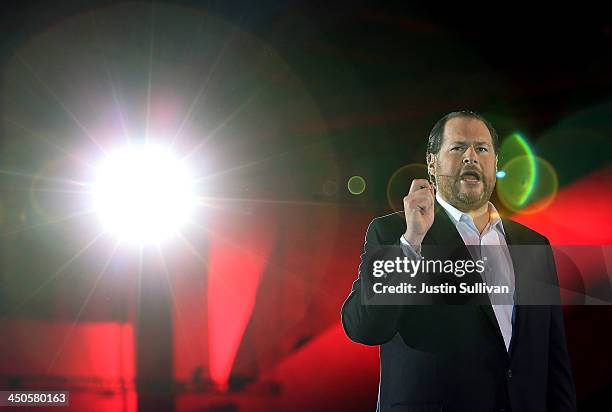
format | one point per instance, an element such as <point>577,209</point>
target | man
<point>491,357</point>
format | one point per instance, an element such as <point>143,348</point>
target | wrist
<point>413,240</point>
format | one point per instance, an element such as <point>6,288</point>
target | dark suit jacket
<point>453,358</point>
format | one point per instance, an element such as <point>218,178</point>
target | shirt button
<point>509,374</point>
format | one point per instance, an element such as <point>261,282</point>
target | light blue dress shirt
<point>499,268</point>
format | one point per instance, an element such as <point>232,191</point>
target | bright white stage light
<point>143,194</point>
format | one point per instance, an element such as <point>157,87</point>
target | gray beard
<point>463,201</point>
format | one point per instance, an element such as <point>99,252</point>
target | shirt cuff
<point>409,250</point>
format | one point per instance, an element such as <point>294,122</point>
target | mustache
<point>471,171</point>
<point>468,171</point>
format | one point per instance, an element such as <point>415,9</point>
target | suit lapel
<point>521,312</point>
<point>444,233</point>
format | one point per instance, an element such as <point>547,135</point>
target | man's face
<point>464,168</point>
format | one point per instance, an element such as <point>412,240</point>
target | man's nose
<point>469,157</point>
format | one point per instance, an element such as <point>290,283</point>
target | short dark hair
<point>436,135</point>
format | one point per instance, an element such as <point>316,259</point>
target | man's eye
<point>483,149</point>
<point>455,148</point>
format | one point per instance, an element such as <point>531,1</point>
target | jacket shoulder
<point>521,234</point>
<point>389,228</point>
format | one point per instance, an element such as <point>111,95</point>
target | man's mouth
<point>470,177</point>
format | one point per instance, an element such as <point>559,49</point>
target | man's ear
<point>431,165</point>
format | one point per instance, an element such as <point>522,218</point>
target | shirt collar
<point>457,215</point>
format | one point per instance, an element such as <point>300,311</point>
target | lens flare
<point>530,185</point>
<point>356,185</point>
<point>399,183</point>
<point>513,147</point>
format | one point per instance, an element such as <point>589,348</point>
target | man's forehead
<point>466,130</point>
